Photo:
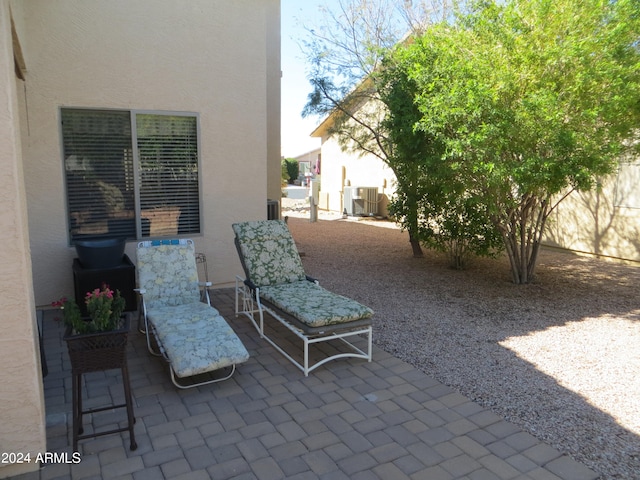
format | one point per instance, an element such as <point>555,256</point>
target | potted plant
<point>97,342</point>
<point>105,309</point>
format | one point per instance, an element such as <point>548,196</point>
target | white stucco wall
<point>339,167</point>
<point>206,56</point>
<point>22,428</point>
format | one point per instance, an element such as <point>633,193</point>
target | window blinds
<point>168,173</point>
<point>115,190</point>
<point>99,173</point>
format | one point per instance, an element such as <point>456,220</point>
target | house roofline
<point>323,127</point>
<point>321,130</point>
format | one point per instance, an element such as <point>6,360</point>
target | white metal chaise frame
<point>250,303</point>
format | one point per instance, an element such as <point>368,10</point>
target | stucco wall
<point>365,171</point>
<point>604,221</point>
<point>206,56</point>
<point>21,396</point>
<point>274,74</point>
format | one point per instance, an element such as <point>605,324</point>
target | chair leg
<point>78,410</point>
<point>129,405</point>
<point>174,378</point>
<point>76,392</point>
<point>306,357</point>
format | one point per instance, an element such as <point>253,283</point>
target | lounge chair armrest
<point>205,284</point>
<point>250,284</point>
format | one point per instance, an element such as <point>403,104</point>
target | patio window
<point>131,174</point>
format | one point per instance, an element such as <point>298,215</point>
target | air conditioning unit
<point>273,210</point>
<point>361,200</point>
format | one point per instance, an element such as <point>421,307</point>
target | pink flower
<point>104,307</point>
<point>59,303</point>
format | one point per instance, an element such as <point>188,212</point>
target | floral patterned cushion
<point>314,305</point>
<point>196,338</point>
<point>168,273</point>
<point>270,255</point>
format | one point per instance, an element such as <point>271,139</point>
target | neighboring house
<point>341,171</point>
<point>309,165</point>
<point>111,109</point>
<point>603,222</point>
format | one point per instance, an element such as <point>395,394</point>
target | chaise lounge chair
<point>190,334</point>
<point>276,284</point>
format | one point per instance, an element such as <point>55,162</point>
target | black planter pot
<point>100,253</point>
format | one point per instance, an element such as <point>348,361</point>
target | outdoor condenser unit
<point>361,200</point>
<point>273,210</point>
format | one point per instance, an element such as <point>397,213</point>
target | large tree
<point>345,49</point>
<point>432,197</point>
<point>531,99</point>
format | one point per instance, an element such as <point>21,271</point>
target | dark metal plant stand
<point>93,353</point>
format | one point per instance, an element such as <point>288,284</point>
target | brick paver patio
<point>347,420</point>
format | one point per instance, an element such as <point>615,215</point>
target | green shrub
<point>292,169</point>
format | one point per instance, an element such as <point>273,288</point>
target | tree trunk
<point>412,212</point>
<point>412,227</point>
<point>416,247</point>
<point>522,235</point>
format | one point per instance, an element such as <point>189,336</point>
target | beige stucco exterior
<point>217,58</point>
<point>21,397</point>
<point>274,74</point>
<point>340,169</point>
<point>345,168</point>
<point>208,57</point>
<point>603,222</point>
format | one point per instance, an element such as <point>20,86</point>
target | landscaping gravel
<point>560,357</point>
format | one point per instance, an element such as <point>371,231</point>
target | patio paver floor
<point>349,419</point>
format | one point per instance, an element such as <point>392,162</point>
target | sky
<point>295,86</point>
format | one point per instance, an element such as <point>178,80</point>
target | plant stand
<point>96,352</point>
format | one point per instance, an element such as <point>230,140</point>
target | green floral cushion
<point>168,273</point>
<point>196,338</point>
<point>314,305</point>
<point>269,253</point>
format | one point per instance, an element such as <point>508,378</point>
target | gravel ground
<point>559,357</point>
